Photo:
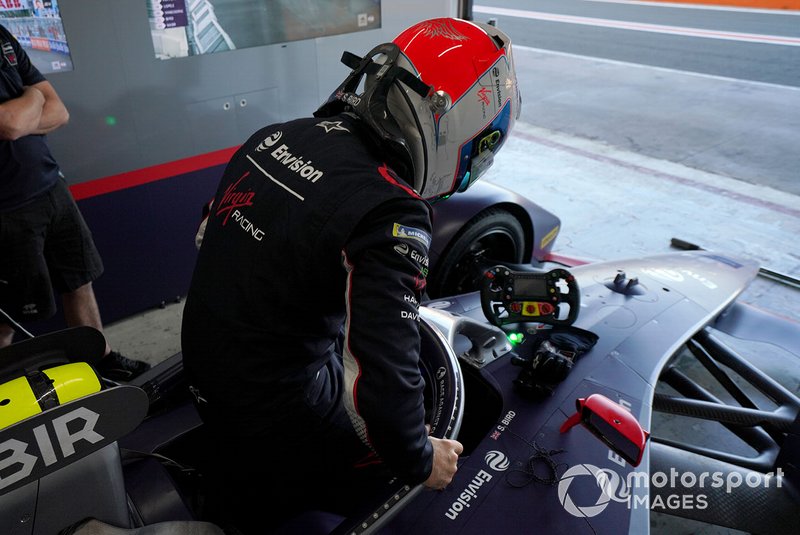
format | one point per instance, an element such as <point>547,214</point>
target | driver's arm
<point>386,259</point>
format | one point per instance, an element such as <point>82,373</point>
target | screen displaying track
<point>37,26</point>
<point>183,28</point>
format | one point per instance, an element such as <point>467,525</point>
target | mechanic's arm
<point>384,387</point>
<point>54,113</point>
<point>20,116</point>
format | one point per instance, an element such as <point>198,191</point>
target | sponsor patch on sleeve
<point>411,233</point>
<point>9,54</point>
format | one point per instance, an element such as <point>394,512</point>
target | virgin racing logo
<point>232,200</point>
<point>497,461</point>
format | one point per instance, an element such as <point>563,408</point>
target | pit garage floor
<point>614,200</point>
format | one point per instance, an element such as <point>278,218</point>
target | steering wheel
<point>444,404</point>
<point>444,384</point>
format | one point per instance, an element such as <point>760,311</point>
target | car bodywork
<point>136,443</point>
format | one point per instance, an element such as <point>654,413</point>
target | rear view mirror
<point>612,424</point>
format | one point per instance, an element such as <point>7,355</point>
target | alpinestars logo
<point>332,125</point>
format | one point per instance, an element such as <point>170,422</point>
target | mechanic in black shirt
<point>45,244</point>
<point>319,226</point>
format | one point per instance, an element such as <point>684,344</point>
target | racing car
<point>588,396</point>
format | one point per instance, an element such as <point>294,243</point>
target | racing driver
<point>300,330</point>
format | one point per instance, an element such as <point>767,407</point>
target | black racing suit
<point>300,331</point>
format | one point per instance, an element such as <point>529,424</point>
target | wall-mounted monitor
<point>183,28</point>
<point>37,26</point>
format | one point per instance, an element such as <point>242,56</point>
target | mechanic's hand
<point>445,459</point>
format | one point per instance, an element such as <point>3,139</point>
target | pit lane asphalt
<point>617,200</point>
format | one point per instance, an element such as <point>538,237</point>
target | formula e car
<point>589,397</point>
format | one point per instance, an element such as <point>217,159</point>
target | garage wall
<point>130,110</point>
<point>148,138</point>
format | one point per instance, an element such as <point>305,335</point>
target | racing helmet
<point>441,98</point>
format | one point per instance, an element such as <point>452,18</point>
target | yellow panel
<point>17,402</point>
<point>73,381</point>
<point>530,308</point>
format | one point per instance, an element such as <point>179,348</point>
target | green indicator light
<point>515,338</point>
<point>111,120</point>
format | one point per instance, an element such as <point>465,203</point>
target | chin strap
<point>385,73</point>
<point>371,105</point>
<point>371,67</point>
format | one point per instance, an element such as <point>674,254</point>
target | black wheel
<point>492,237</point>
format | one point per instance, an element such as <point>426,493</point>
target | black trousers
<point>311,461</point>
<point>45,247</point>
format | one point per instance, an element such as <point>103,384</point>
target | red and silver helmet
<point>442,97</point>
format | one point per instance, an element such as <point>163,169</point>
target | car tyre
<point>492,237</point>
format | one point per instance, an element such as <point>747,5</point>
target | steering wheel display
<point>509,296</point>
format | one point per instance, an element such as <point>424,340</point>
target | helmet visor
<point>480,150</point>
